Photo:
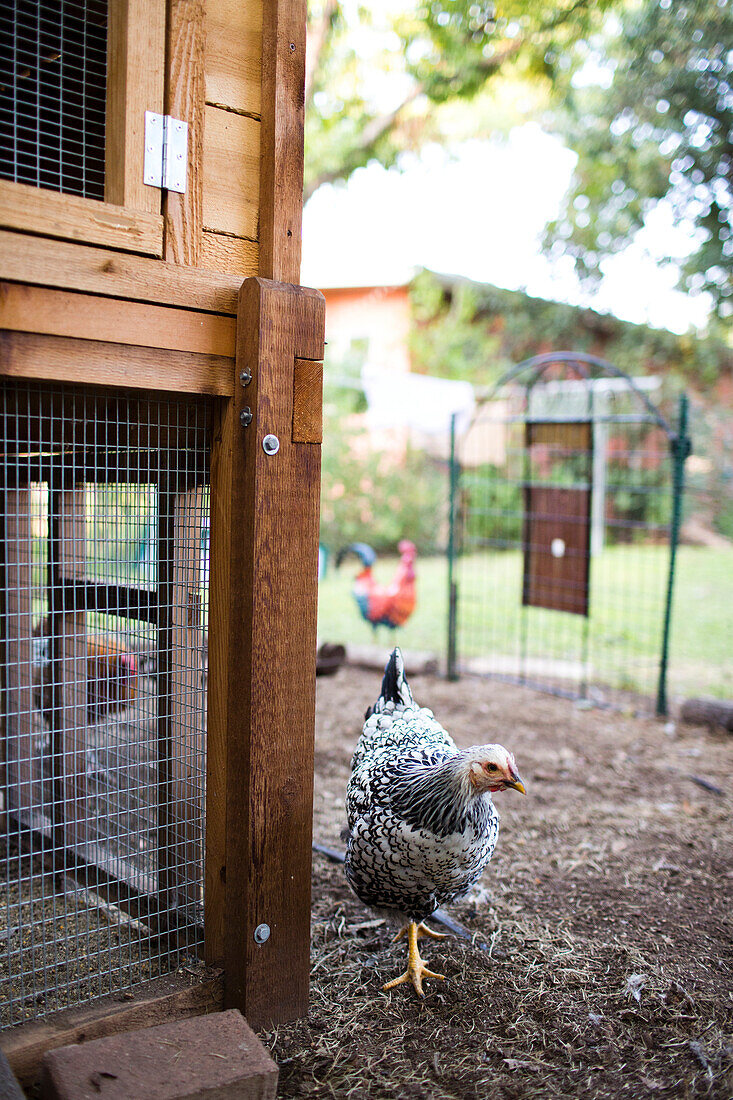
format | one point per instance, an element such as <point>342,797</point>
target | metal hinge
<point>166,148</point>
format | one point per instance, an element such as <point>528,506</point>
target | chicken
<point>111,674</point>
<point>381,605</point>
<point>421,822</point>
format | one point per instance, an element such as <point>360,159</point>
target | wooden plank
<point>231,255</point>
<point>135,54</point>
<point>184,98</point>
<point>233,54</point>
<point>59,359</point>
<point>70,218</point>
<point>308,401</point>
<point>262,656</point>
<point>87,317</point>
<point>231,173</point>
<point>283,118</point>
<point>38,260</point>
<point>561,437</point>
<point>174,997</point>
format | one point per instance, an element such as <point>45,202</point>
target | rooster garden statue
<point>422,825</point>
<point>384,605</point>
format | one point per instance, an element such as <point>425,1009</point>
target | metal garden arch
<point>565,507</point>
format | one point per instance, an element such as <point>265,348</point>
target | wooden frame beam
<point>88,317</point>
<point>70,218</point>
<point>281,140</point>
<point>61,359</point>
<point>135,51</point>
<point>37,260</point>
<point>184,98</point>
<point>262,653</point>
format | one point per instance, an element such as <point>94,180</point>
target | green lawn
<point>622,638</point>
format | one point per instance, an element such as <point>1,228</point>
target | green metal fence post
<point>680,450</point>
<point>451,662</point>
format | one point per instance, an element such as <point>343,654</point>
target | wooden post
<point>185,99</point>
<point>181,704</point>
<point>262,656</point>
<point>21,720</point>
<point>135,48</point>
<point>69,639</point>
<point>281,138</point>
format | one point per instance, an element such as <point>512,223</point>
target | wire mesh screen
<point>702,654</point>
<point>564,511</point>
<point>53,79</point>
<point>104,608</point>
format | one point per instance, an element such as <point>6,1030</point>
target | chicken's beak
<point>516,784</point>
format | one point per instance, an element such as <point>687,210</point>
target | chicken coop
<point>161,428</point>
<point>566,498</point>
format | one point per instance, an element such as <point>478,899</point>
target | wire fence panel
<point>563,518</point>
<point>104,608</point>
<point>701,661</point>
<point>53,84</point>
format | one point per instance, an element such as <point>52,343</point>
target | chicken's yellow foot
<point>416,968</point>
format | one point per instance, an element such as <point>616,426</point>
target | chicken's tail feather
<point>363,552</point>
<point>395,688</point>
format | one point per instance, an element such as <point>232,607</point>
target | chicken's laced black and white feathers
<point>418,835</point>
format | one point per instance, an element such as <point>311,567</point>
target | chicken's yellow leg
<point>416,968</point>
<point>422,930</point>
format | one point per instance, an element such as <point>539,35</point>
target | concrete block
<point>9,1087</point>
<point>218,1057</point>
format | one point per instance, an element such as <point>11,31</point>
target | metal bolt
<point>245,417</point>
<point>262,933</point>
<point>245,377</point>
<point>270,444</point>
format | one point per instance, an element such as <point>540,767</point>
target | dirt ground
<point>605,918</point>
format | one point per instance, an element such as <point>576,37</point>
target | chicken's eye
<point>491,768</point>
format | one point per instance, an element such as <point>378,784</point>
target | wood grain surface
<point>68,217</point>
<point>262,650</point>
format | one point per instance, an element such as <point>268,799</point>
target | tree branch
<point>317,39</point>
<point>369,136</point>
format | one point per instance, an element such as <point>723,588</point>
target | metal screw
<point>245,417</point>
<point>292,47</point>
<point>245,377</point>
<point>270,444</point>
<point>262,933</point>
